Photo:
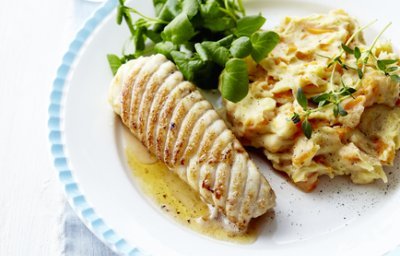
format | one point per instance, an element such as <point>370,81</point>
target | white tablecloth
<point>34,220</point>
<point>77,240</point>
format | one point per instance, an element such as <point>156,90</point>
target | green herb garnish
<point>335,96</point>
<point>206,39</point>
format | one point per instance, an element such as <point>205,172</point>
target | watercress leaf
<point>211,9</point>
<point>381,65</point>
<point>115,62</point>
<point>357,53</point>
<point>165,48</point>
<point>360,73</point>
<point>153,35</point>
<point>217,53</point>
<point>388,61</point>
<point>127,57</point>
<point>247,25</point>
<point>395,78</point>
<point>347,49</point>
<point>263,43</point>
<point>241,47</point>
<point>204,74</point>
<point>301,98</point>
<point>158,5</point>
<point>167,10</point>
<point>190,7</point>
<point>226,41</point>
<point>296,118</point>
<point>214,18</point>
<point>234,80</point>
<point>306,128</point>
<point>179,30</point>
<point>219,24</point>
<point>201,51</point>
<point>341,111</point>
<point>182,62</point>
<point>187,64</point>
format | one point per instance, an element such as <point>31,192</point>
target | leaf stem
<point>379,36</point>
<point>145,17</point>
<point>359,30</point>
<point>241,7</point>
<point>228,12</point>
<point>369,52</point>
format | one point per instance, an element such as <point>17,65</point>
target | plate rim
<point>56,137</point>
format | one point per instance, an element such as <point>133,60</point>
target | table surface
<point>33,37</point>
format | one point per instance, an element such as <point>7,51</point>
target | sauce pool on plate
<point>179,201</point>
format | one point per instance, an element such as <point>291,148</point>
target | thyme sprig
<point>335,96</point>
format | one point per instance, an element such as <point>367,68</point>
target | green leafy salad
<point>207,40</point>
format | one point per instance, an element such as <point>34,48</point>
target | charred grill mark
<point>178,117</point>
<point>152,88</point>
<point>199,130</point>
<point>203,142</point>
<point>158,103</point>
<point>177,105</point>
<point>165,117</point>
<point>127,90</point>
<point>137,91</point>
<point>190,120</point>
<point>214,156</point>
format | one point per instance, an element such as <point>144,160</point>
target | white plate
<point>338,218</point>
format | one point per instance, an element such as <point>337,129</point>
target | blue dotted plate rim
<point>74,196</point>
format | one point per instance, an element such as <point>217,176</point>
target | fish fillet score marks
<point>176,124</point>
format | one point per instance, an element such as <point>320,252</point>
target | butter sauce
<point>179,200</point>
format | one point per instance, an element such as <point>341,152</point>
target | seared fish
<point>176,124</point>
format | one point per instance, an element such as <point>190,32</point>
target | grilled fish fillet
<point>176,124</point>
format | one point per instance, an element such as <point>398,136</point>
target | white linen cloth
<point>77,240</point>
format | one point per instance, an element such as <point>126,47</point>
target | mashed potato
<point>357,144</point>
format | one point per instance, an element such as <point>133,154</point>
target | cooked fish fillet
<point>172,119</point>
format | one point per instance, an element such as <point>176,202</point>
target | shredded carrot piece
<point>353,103</point>
<point>317,31</point>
